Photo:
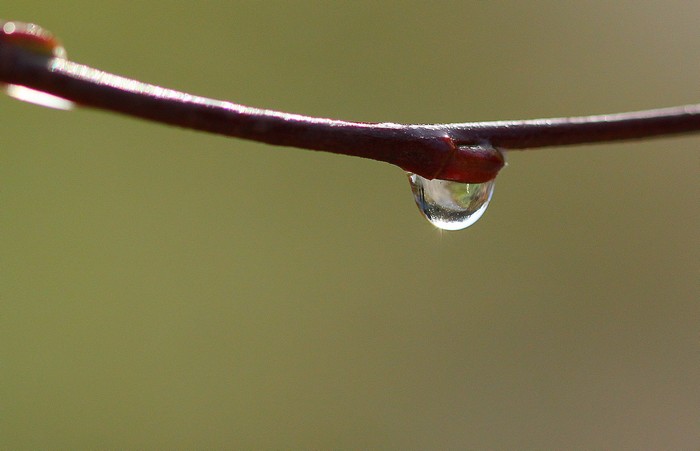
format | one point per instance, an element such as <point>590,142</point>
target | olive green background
<point>167,289</point>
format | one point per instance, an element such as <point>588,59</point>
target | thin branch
<point>464,152</point>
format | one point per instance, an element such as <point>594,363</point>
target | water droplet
<point>451,205</point>
<point>41,98</point>
<point>37,40</point>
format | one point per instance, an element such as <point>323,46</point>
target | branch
<point>462,152</point>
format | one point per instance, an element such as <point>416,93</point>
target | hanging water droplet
<point>451,205</point>
<point>37,40</point>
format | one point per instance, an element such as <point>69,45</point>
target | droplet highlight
<point>40,98</point>
<point>35,39</point>
<point>451,205</point>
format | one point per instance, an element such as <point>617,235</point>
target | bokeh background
<point>162,288</point>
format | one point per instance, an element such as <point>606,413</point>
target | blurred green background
<point>162,288</point>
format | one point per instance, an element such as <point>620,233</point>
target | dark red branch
<point>459,152</point>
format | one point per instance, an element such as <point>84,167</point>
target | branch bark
<point>463,152</point>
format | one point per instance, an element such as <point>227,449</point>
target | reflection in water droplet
<point>37,40</point>
<point>451,205</point>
